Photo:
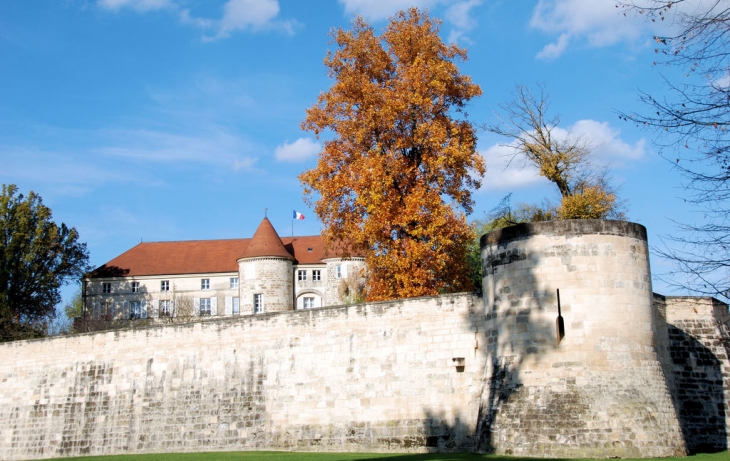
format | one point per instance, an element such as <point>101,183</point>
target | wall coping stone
<point>566,228</point>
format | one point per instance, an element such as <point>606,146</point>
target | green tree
<point>37,257</point>
<point>75,308</point>
<point>395,180</point>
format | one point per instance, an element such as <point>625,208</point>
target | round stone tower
<point>266,279</point>
<point>582,381</point>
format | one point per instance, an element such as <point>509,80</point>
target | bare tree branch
<point>563,160</point>
<point>692,123</point>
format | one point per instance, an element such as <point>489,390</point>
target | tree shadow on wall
<point>514,326</point>
<point>519,318</point>
<point>697,392</point>
<point>511,336</point>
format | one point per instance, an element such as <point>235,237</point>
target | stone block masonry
<point>694,356</point>
<point>600,391</point>
<point>371,377</point>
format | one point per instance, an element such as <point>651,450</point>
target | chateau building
<point>265,273</point>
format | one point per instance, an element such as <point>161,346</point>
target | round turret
<point>266,280</point>
<point>345,280</point>
<point>564,365</point>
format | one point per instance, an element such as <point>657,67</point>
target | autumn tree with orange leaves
<point>394,179</point>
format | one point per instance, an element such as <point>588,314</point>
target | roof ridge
<point>196,240</point>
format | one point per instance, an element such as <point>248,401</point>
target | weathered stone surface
<point>376,377</point>
<point>694,351</point>
<point>600,392</point>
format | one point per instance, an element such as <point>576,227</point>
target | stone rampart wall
<point>634,375</point>
<point>367,378</point>
<point>693,345</point>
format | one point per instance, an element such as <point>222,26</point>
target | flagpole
<point>292,223</point>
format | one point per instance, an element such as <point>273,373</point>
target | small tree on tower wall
<point>394,181</point>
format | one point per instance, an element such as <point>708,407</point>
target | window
<point>338,273</point>
<point>316,275</point>
<point>205,284</point>
<point>302,275</point>
<point>135,310</point>
<point>106,287</point>
<point>258,303</point>
<point>165,285</point>
<point>165,308</point>
<point>135,287</point>
<point>234,283</point>
<point>204,306</point>
<point>106,309</point>
<point>308,303</point>
<point>236,306</point>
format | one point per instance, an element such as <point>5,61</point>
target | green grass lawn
<point>298,456</point>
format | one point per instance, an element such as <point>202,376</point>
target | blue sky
<point>179,119</point>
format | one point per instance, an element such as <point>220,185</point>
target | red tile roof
<point>212,256</point>
<point>200,256</point>
<point>265,242</point>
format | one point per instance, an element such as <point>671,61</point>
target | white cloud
<point>254,15</point>
<point>138,5</point>
<point>202,23</point>
<point>507,172</point>
<point>554,50</point>
<point>66,173</point>
<point>298,151</point>
<point>462,19</point>
<point>212,147</point>
<point>374,10</point>
<point>597,23</point>
<point>238,15</point>
<point>722,82</point>
<point>458,14</point>
<point>246,164</point>
<point>606,143</point>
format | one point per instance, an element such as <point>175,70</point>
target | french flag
<point>297,215</point>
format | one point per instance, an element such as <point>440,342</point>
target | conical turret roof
<point>266,242</point>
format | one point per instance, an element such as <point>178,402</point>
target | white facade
<point>160,296</point>
<point>281,284</point>
<point>209,278</point>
